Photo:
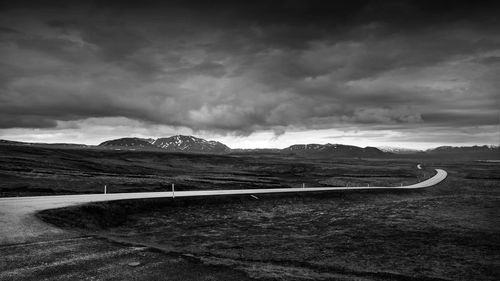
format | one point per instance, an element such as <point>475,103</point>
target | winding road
<point>18,223</point>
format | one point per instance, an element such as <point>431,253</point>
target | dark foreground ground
<point>90,258</point>
<point>446,232</point>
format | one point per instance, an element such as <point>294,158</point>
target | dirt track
<point>88,258</point>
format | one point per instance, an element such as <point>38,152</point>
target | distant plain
<point>446,232</point>
<point>31,170</point>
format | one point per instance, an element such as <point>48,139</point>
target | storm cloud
<point>237,68</point>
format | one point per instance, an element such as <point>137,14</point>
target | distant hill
<point>333,150</point>
<point>41,144</point>
<point>130,143</point>
<point>177,143</point>
<point>10,142</point>
<point>473,152</point>
<point>465,149</point>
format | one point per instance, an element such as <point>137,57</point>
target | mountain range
<point>191,144</point>
<point>181,143</point>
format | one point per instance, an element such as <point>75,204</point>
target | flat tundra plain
<point>445,232</point>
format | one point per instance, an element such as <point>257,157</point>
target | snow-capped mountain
<point>190,144</point>
<point>175,144</point>
<point>398,150</point>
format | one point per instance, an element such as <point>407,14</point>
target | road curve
<point>19,225</point>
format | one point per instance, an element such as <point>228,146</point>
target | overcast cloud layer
<point>422,70</point>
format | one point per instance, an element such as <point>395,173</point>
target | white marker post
<point>303,185</point>
<point>173,191</point>
<point>104,189</point>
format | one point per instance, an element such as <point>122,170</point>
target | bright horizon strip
<point>257,140</point>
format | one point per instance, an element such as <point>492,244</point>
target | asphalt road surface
<point>19,225</point>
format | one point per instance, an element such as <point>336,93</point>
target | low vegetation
<point>446,232</point>
<point>32,170</point>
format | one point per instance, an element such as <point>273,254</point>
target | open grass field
<point>446,232</point>
<point>30,170</point>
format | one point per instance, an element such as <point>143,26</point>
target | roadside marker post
<point>105,192</point>
<point>173,191</point>
<point>303,185</point>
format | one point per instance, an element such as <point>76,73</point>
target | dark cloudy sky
<point>252,74</point>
